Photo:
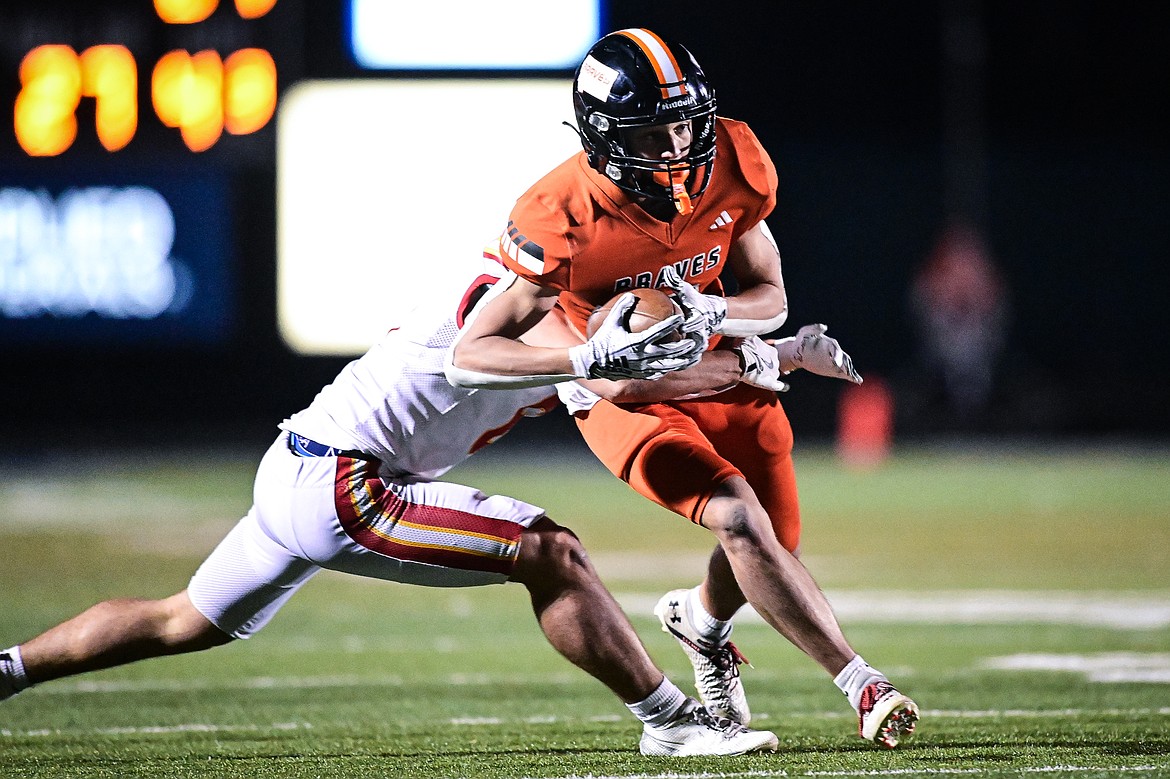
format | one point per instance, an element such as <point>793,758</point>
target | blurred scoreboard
<point>127,125</point>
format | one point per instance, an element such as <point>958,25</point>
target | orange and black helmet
<point>632,78</point>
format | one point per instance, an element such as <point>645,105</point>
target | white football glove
<point>760,363</point>
<point>817,353</point>
<point>615,353</point>
<point>704,313</point>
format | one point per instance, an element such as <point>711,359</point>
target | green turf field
<point>1021,596</point>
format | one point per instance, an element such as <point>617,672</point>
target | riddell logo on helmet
<point>677,102</point>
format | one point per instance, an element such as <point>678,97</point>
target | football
<point>653,306</point>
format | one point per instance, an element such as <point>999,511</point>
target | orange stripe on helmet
<point>666,67</point>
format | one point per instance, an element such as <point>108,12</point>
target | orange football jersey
<point>576,231</point>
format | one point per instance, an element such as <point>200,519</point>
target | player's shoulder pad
<point>553,203</point>
<point>547,219</point>
<point>736,139</point>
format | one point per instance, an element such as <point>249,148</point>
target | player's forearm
<point>761,309</point>
<point>495,362</point>
<point>718,369</point>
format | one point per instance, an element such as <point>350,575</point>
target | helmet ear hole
<point>632,78</point>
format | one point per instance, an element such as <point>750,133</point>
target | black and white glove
<point>817,353</point>
<point>704,313</point>
<point>615,353</point>
<point>760,363</point>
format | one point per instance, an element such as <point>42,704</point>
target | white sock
<point>855,677</point>
<point>660,706</point>
<point>12,676</point>
<point>715,631</point>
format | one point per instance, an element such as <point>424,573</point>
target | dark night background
<point>1040,123</point>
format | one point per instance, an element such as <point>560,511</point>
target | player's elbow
<point>460,378</point>
<point>771,315</point>
<point>781,313</point>
<point>776,307</point>
<point>458,372</point>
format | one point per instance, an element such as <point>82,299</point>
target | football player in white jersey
<point>350,485</point>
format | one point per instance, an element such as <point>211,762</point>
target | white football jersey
<point>395,404</point>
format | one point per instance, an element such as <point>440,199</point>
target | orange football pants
<point>677,453</point>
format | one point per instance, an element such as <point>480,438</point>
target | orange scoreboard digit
<point>167,68</point>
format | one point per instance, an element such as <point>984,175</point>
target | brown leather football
<point>653,306</point>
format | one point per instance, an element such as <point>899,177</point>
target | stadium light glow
<point>511,34</point>
<point>385,190</point>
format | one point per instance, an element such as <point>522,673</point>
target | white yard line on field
<point>1107,667</point>
<point>1122,610</point>
<point>673,775</point>
<point>155,730</point>
<point>69,687</point>
<point>250,683</point>
<point>600,718</point>
<point>1104,667</point>
<point>1047,769</point>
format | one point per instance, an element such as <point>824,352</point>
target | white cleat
<point>699,732</point>
<point>886,716</point>
<point>716,667</point>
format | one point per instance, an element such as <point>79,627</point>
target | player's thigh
<point>246,579</point>
<point>659,451</point>
<point>353,516</point>
<point>749,427</point>
<point>260,564</point>
<point>435,534</point>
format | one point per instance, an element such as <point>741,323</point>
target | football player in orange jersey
<point>667,194</point>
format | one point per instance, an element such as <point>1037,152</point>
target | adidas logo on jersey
<point>722,220</point>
